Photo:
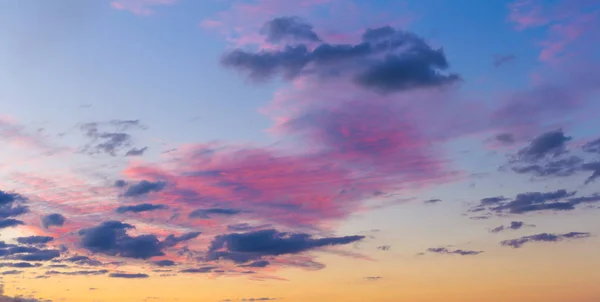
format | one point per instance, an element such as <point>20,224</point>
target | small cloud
<point>144,207</point>
<point>500,60</point>
<point>136,151</point>
<point>543,237</point>
<point>514,225</point>
<point>384,247</point>
<point>53,220</point>
<point>373,278</point>
<point>128,276</point>
<point>144,187</point>
<point>431,201</point>
<point>443,250</point>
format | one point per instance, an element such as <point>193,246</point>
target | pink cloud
<point>567,24</point>
<point>140,7</point>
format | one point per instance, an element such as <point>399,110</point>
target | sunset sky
<point>300,150</point>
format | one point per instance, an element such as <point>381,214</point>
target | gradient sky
<point>299,150</point>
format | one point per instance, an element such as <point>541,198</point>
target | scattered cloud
<point>514,225</point>
<point>543,237</point>
<point>443,250</point>
<point>140,7</point>
<point>144,207</point>
<point>128,276</point>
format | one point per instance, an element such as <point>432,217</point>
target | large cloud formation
<point>243,247</point>
<point>387,60</point>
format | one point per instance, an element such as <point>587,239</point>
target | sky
<point>306,150</point>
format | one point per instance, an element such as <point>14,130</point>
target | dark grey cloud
<point>163,263</point>
<point>39,255</point>
<point>200,270</point>
<point>594,167</point>
<point>559,200</point>
<point>128,276</point>
<point>144,187</point>
<point>111,238</point>
<point>500,60</point>
<point>11,205</point>
<point>259,263</point>
<point>144,207</point>
<point>19,265</point>
<point>119,183</point>
<point>79,273</point>
<point>54,219</point>
<point>559,167</point>
<point>244,247</point>
<point>34,239</point>
<point>378,34</point>
<point>505,138</point>
<point>208,213</point>
<point>284,28</point>
<point>109,142</point>
<point>592,146</point>
<point>387,60</point>
<point>514,225</point>
<point>173,240</point>
<point>136,151</point>
<point>547,145</point>
<point>12,272</point>
<point>433,200</point>
<point>543,237</point>
<point>7,223</point>
<point>443,250</point>
<point>83,260</point>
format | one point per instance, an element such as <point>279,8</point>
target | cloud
<point>506,138</point>
<point>594,167</point>
<point>514,225</point>
<point>373,278</point>
<point>433,200</point>
<point>79,273</point>
<point>109,142</point>
<point>11,205</point>
<point>200,270</point>
<point>53,220</point>
<point>83,260</point>
<point>592,146</point>
<point>140,7</point>
<point>128,276</point>
<point>549,144</point>
<point>543,237</point>
<point>19,265</point>
<point>500,60</point>
<point>144,207</point>
<point>26,253</point>
<point>384,63</point>
<point>7,223</point>
<point>136,151</point>
<point>384,247</point>
<point>163,263</point>
<point>243,247</point>
<point>443,250</point>
<point>294,28</point>
<point>259,263</point>
<point>207,213</point>
<point>111,238</point>
<point>12,272</point>
<point>144,187</point>
<point>560,167</point>
<point>35,239</point>
<point>559,200</point>
<point>173,240</point>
